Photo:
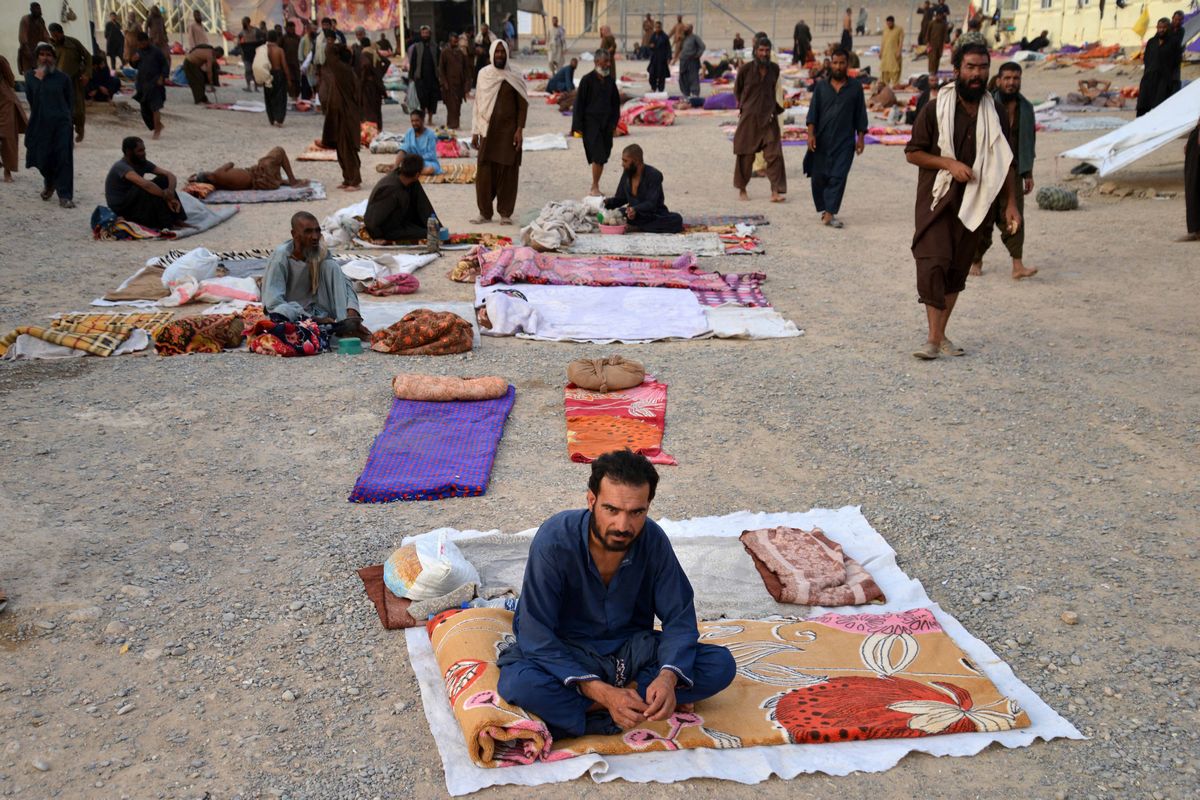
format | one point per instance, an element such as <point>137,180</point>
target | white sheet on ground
<point>750,765</point>
<point>378,314</point>
<point>739,322</point>
<point>600,314</point>
<point>1171,120</point>
<point>201,217</point>
<point>647,244</point>
<point>381,266</point>
<point>544,141</point>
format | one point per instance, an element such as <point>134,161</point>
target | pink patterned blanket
<point>526,265</point>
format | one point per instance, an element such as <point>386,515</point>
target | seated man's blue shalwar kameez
<point>571,628</point>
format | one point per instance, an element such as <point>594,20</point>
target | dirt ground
<point>179,553</point>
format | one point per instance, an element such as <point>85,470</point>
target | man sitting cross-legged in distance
<point>262,176</point>
<point>564,79</point>
<point>595,581</point>
<point>399,209</point>
<point>131,196</point>
<point>640,192</point>
<point>302,280</point>
<point>420,141</point>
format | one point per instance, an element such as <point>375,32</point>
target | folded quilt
<point>633,419</point>
<point>525,265</point>
<point>832,678</point>
<point>430,451</point>
<point>756,220</point>
<point>443,388</point>
<point>97,334</point>
<point>648,244</point>
<point>425,333</point>
<point>808,568</point>
<point>204,333</point>
<point>741,289</point>
<point>451,173</point>
<point>107,226</point>
<point>274,335</point>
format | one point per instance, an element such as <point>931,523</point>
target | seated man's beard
<point>49,69</point>
<point>1005,97</point>
<point>612,545</point>
<point>314,254</point>
<point>631,170</point>
<point>762,62</point>
<point>838,75</point>
<point>971,90</point>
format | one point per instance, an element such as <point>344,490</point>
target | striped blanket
<point>98,334</point>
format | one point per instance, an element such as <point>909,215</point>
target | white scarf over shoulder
<point>992,157</point>
<point>487,89</point>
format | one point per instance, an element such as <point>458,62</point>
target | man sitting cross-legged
<point>420,141</point>
<point>399,209</point>
<point>595,581</point>
<point>264,175</point>
<point>640,191</point>
<point>303,280</point>
<point>130,195</point>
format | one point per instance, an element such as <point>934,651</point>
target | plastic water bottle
<point>507,603</point>
<point>433,239</point>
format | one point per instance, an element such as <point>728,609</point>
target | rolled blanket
<point>440,388</point>
<point>608,374</point>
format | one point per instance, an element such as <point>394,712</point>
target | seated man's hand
<point>624,705</point>
<point>174,204</point>
<point>630,212</point>
<point>660,696</point>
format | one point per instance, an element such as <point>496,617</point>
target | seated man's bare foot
<point>977,269</point>
<point>742,195</point>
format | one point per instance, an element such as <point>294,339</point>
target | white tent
<point>1172,119</point>
<point>13,10</point>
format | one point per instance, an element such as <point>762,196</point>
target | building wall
<point>1069,24</point>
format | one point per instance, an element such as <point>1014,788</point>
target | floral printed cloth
<point>425,333</point>
<point>526,265</point>
<point>828,679</point>
<point>634,419</point>
<point>275,335</point>
<point>808,568</point>
<point>203,333</point>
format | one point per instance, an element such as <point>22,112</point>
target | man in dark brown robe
<point>31,32</point>
<point>497,133</point>
<point>75,62</point>
<point>291,54</point>
<point>1191,184</point>
<point>454,71</point>
<point>370,68</point>
<point>960,178</point>
<point>343,113</point>
<point>758,123</point>
<point>936,39</point>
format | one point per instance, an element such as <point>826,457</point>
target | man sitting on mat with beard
<point>595,581</point>
<point>640,192</point>
<point>303,281</point>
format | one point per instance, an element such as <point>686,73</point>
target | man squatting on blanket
<point>594,583</point>
<point>302,280</point>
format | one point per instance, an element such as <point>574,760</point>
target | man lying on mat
<point>640,192</point>
<point>264,175</point>
<point>399,209</point>
<point>594,583</point>
<point>303,280</point>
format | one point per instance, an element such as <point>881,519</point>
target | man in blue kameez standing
<point>595,581</point>
<point>837,127</point>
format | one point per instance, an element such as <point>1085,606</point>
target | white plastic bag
<point>428,568</point>
<point>200,264</point>
<point>262,66</point>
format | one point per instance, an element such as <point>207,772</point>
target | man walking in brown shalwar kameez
<point>31,31</point>
<point>12,121</point>
<point>455,75</point>
<point>935,37</point>
<point>497,132</point>
<point>758,124</point>
<point>343,113</point>
<point>960,144</point>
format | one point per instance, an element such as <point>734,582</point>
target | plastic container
<point>615,230</point>
<point>507,603</point>
<point>349,347</point>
